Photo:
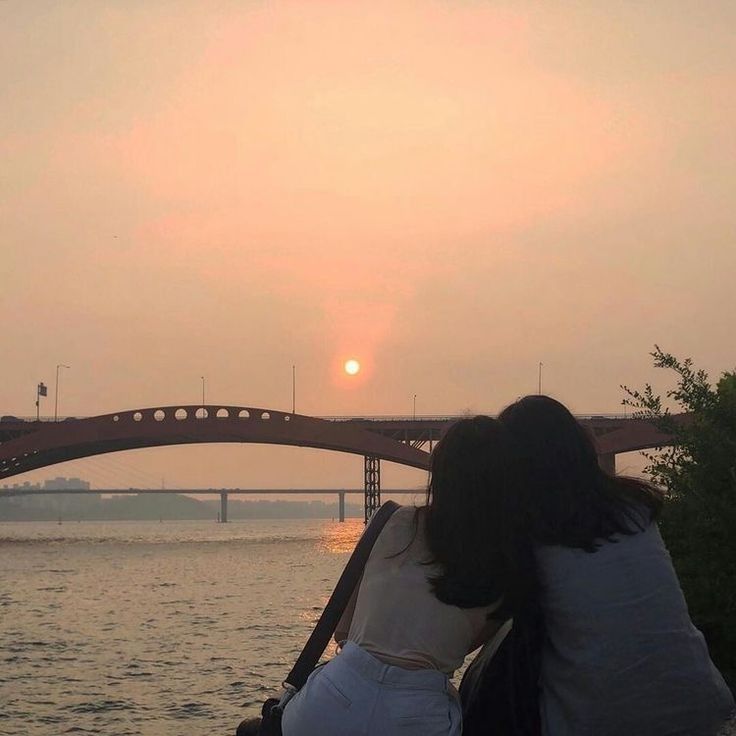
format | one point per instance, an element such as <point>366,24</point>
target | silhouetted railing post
<point>223,507</point>
<point>341,505</point>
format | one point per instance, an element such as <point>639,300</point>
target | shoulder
<point>401,530</point>
<point>403,516</point>
<point>619,544</point>
<point>406,514</point>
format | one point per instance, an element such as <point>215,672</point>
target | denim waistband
<point>372,668</point>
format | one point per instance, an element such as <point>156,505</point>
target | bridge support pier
<point>341,505</point>
<point>607,461</point>
<point>223,507</point>
<point>372,485</point>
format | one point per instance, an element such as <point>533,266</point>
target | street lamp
<point>293,389</point>
<point>539,391</point>
<point>56,392</point>
<point>202,377</point>
<point>414,414</point>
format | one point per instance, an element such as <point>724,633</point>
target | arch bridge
<point>29,445</point>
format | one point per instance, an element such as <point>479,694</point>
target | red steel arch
<point>55,442</point>
<point>636,434</point>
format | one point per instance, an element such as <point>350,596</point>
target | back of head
<point>472,478</point>
<point>467,466</point>
<point>566,498</point>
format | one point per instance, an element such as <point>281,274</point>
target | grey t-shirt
<point>622,655</point>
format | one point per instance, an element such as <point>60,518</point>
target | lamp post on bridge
<point>539,389</point>
<point>202,377</point>
<point>414,409</point>
<point>56,391</point>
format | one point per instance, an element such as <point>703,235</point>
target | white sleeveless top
<point>397,618</point>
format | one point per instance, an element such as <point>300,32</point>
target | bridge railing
<point>9,419</point>
<point>342,418</point>
<point>452,417</point>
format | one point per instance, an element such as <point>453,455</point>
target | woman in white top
<point>621,654</point>
<point>428,597</point>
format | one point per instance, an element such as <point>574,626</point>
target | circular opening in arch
<point>180,414</point>
<point>137,416</point>
<point>159,415</point>
<point>223,414</point>
<point>201,413</point>
<point>116,418</point>
<point>265,415</point>
<point>243,414</point>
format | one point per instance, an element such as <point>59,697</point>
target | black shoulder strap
<point>328,621</point>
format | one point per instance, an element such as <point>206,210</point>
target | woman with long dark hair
<point>431,592</point>
<point>621,655</point>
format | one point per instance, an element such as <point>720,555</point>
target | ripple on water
<point>190,710</point>
<point>101,706</point>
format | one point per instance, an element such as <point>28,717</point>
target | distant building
<point>66,484</point>
<point>53,484</point>
<point>22,487</point>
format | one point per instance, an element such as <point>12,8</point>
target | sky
<point>450,192</point>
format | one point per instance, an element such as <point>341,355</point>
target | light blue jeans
<point>356,694</point>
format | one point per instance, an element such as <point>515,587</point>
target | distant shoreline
<point>172,507</point>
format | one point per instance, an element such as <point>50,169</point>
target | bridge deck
<point>425,428</point>
<point>10,492</point>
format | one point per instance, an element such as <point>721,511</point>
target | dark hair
<point>472,477</point>
<point>565,497</point>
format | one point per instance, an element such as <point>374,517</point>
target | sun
<point>352,367</point>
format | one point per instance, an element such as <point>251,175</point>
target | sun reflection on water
<point>341,537</point>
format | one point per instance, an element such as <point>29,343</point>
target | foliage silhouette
<point>698,475</point>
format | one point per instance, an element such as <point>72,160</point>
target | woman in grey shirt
<point>621,655</point>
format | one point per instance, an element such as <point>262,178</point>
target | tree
<point>698,475</point>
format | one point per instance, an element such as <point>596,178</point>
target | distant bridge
<point>222,492</point>
<point>27,445</point>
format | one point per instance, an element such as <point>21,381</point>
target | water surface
<point>156,629</point>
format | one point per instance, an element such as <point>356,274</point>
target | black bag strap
<point>330,618</point>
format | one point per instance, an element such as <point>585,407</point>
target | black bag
<point>273,708</point>
<point>271,718</point>
<point>499,691</point>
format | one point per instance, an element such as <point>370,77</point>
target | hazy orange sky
<point>448,191</point>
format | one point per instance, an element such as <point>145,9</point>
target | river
<point>156,629</point>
